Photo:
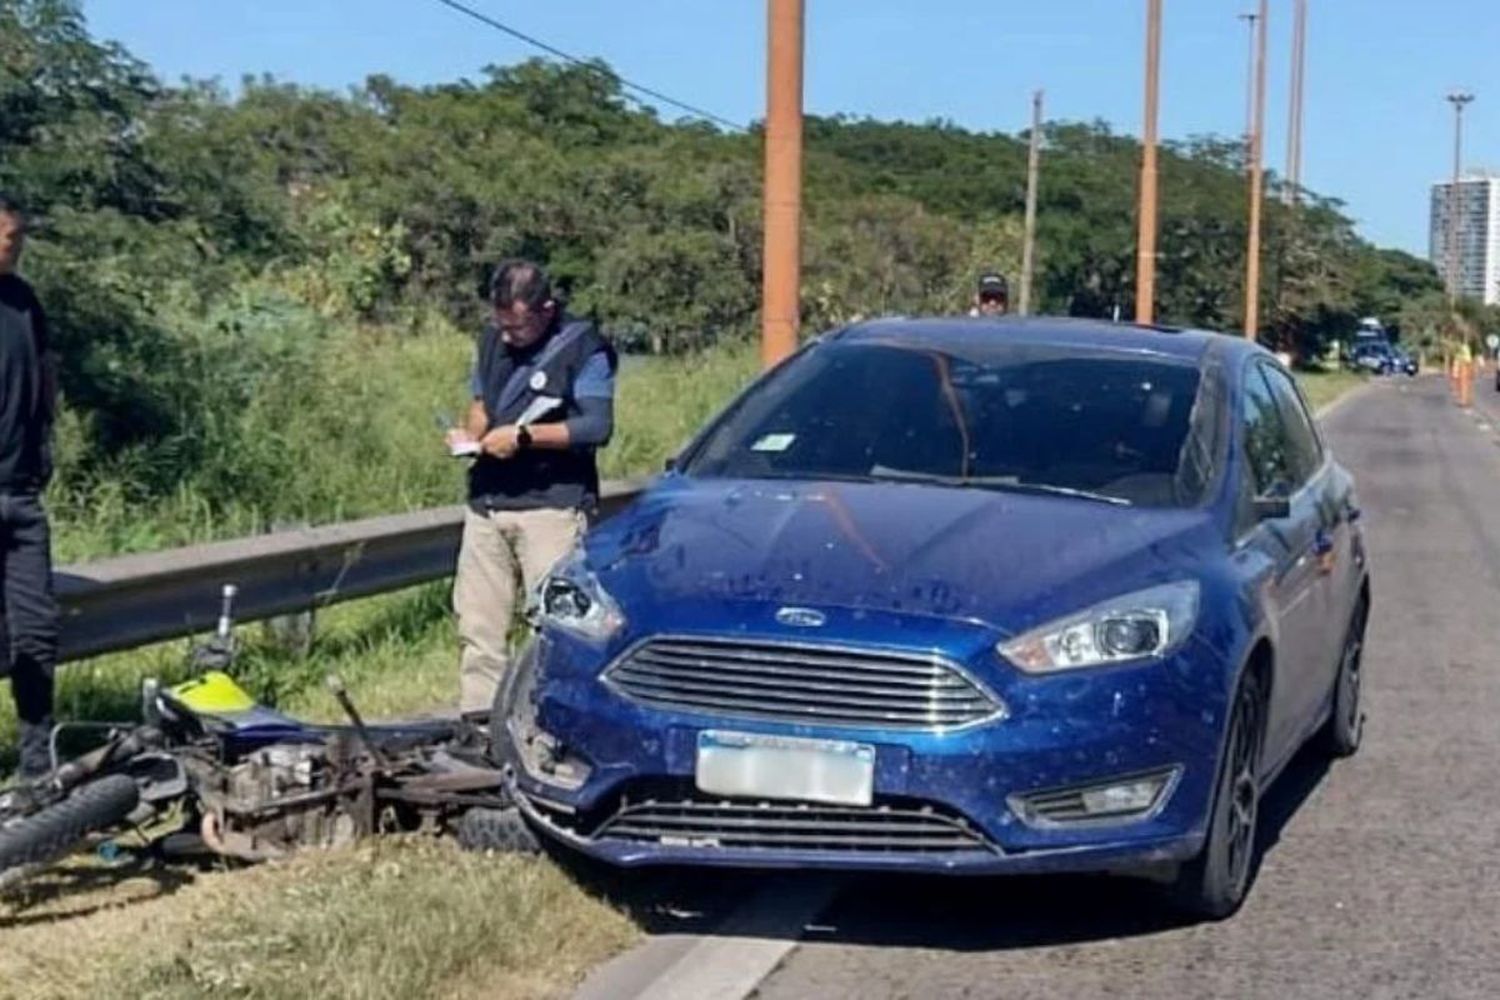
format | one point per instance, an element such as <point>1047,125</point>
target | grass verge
<point>396,918</point>
<point>1323,387</point>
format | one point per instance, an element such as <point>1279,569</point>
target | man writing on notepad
<point>543,405</point>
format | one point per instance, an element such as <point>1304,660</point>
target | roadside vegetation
<point>264,300</point>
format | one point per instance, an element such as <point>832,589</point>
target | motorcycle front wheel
<point>50,833</point>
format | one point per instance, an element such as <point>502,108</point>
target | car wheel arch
<point>1261,663</point>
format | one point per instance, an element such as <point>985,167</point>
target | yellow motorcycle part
<point>212,693</point>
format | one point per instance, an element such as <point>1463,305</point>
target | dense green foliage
<point>249,288</point>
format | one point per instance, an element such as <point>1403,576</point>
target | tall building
<point>1478,236</point>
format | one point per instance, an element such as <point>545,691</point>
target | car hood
<point>1007,560</point>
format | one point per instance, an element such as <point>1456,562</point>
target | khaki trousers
<point>503,555</point>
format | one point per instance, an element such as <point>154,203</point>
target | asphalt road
<point>1380,875</point>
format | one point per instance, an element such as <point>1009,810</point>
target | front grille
<point>802,683</point>
<point>879,829</point>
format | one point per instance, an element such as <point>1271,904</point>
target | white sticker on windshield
<point>774,442</point>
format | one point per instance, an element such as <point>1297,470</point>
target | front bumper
<point>1102,855</point>
<point>944,802</point>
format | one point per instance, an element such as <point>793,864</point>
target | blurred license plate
<point>748,765</point>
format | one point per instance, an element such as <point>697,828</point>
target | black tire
<point>1213,885</point>
<point>503,830</point>
<point>54,831</point>
<point>1346,723</point>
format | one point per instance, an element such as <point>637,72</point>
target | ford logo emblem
<point>801,617</point>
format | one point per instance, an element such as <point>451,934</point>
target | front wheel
<point>50,833</point>
<point>1214,884</point>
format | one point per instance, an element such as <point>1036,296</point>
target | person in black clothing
<point>992,297</point>
<point>28,609</point>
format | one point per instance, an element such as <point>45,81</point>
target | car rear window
<point>1114,426</point>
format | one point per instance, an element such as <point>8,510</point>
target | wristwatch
<point>523,437</point>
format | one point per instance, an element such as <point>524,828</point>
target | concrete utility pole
<point>1033,161</point>
<point>1249,19</point>
<point>1257,180</point>
<point>781,306</point>
<point>1145,262</point>
<point>1294,126</point>
<point>1460,99</point>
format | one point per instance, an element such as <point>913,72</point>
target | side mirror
<point>1272,508</point>
<point>669,464</point>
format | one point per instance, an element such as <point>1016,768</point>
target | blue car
<point>957,596</point>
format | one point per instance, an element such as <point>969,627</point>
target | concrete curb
<point>727,964</point>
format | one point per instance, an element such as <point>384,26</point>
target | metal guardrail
<point>132,600</point>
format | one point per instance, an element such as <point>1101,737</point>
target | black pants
<point>28,612</point>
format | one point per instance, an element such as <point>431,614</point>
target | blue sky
<point>1377,130</point>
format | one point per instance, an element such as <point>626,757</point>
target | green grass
<point>1323,387</point>
<point>406,917</point>
<point>358,437</point>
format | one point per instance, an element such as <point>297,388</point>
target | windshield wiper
<point>1007,484</point>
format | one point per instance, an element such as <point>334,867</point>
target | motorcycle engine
<point>284,797</point>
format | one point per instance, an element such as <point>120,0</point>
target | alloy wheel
<point>1243,791</point>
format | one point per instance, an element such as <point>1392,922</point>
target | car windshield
<point>1110,426</point>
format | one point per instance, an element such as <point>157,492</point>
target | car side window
<point>1267,450</point>
<point>1305,453</point>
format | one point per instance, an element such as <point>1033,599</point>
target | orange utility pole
<point>1145,261</point>
<point>1257,180</point>
<point>781,280</point>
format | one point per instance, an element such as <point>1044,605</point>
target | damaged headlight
<point>572,599</point>
<point>1147,623</point>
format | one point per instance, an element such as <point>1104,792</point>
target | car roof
<point>970,335</point>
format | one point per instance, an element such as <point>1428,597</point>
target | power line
<point>585,64</point>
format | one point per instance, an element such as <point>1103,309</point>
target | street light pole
<point>1294,126</point>
<point>1249,18</point>
<point>782,269</point>
<point>1459,99</point>
<point>1257,180</point>
<point>1145,264</point>
<point>1033,161</point>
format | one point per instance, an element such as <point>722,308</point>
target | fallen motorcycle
<point>208,768</point>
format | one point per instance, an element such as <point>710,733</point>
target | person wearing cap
<point>992,298</point>
<point>543,404</point>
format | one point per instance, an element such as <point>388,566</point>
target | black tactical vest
<point>510,382</point>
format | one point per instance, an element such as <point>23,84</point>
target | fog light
<point>1126,798</point>
<point>1133,796</point>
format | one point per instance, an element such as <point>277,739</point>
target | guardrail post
<point>293,633</point>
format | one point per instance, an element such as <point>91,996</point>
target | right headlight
<point>1145,624</point>
<point>572,599</point>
